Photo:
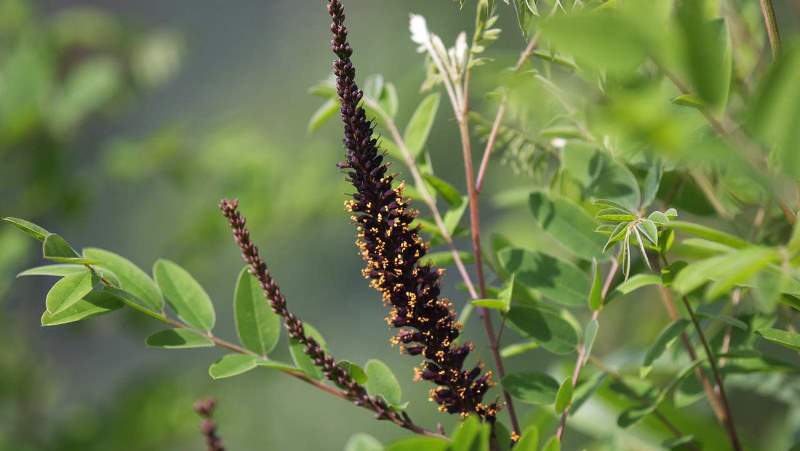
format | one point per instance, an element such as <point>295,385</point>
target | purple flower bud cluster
<point>205,408</point>
<point>392,249</point>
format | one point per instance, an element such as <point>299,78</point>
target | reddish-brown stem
<point>729,424</point>
<point>498,119</point>
<point>715,395</point>
<point>501,111</point>
<point>475,226</point>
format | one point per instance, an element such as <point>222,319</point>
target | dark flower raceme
<point>353,391</point>
<point>392,249</point>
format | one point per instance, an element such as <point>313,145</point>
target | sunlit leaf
<point>69,290</point>
<point>420,124</point>
<point>93,304</point>
<point>28,227</point>
<point>185,295</point>
<point>784,338</point>
<point>131,278</point>
<point>638,281</point>
<point>232,365</point>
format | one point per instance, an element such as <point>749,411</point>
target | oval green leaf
<point>258,327</point>
<point>232,365</point>
<point>382,382</point>
<point>596,292</point>
<point>420,124</point>
<point>568,224</point>
<point>69,290</point>
<point>28,227</point>
<point>189,300</point>
<point>556,279</point>
<point>363,442</point>
<point>550,330</point>
<point>57,270</point>
<point>93,304</point>
<point>564,395</point>
<point>178,339</point>
<point>531,387</point>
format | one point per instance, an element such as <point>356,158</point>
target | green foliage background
<point>122,125</point>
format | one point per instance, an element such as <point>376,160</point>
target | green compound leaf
<point>131,277</point>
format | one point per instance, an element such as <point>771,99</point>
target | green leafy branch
<point>97,282</point>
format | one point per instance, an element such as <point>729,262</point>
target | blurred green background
<point>122,124</point>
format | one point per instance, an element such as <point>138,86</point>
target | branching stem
<point>405,423</point>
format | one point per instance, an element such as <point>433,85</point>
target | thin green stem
<point>717,377</point>
<point>659,416</point>
<point>583,356</point>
